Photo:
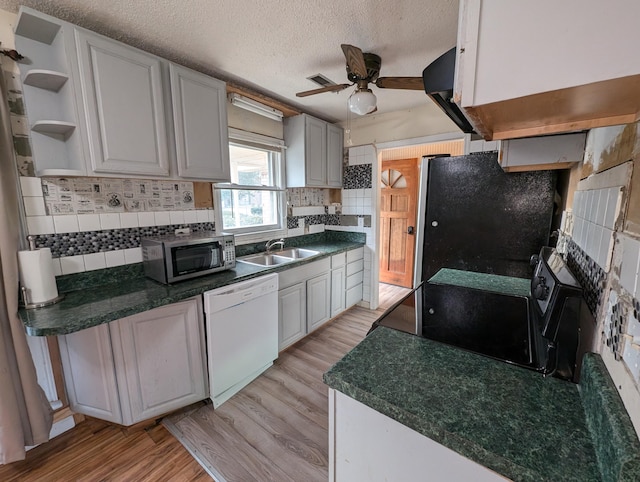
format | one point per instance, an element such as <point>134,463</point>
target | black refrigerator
<point>473,216</point>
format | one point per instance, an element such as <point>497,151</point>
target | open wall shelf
<point>46,79</point>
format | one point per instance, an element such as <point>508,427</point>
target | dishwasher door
<point>242,334</point>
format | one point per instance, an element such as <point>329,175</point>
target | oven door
<point>191,260</point>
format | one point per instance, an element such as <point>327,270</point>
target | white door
<point>318,293</point>
<point>123,93</point>
<point>292,315</point>
<point>335,155</point>
<point>200,121</point>
<point>160,360</point>
<point>89,375</point>
<point>337,291</point>
<point>315,152</point>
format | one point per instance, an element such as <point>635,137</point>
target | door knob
<point>410,230</point>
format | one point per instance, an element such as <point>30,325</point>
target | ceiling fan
<point>362,69</point>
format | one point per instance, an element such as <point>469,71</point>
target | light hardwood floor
<point>274,429</point>
<point>389,294</point>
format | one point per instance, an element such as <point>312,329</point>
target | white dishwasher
<point>242,334</point>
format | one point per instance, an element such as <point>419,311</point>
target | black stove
<point>546,330</point>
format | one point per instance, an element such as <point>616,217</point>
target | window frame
<point>252,234</point>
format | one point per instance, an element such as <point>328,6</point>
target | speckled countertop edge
<point>83,309</point>
<point>355,375</point>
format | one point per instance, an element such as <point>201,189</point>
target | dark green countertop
<point>84,308</point>
<point>509,419</point>
<point>482,281</point>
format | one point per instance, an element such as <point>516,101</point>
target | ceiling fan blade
<point>329,88</point>
<point>410,83</point>
<point>355,60</point>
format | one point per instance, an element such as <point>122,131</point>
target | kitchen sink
<point>266,260</point>
<point>282,257</point>
<point>298,253</point>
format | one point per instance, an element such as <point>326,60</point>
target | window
<point>253,202</point>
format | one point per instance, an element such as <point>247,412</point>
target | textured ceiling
<point>273,45</point>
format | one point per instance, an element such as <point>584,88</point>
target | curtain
<point>25,413</point>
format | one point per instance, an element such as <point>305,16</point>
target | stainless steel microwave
<point>173,258</point>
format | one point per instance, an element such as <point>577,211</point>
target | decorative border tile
<point>591,276</point>
<point>358,177</point>
<point>88,242</point>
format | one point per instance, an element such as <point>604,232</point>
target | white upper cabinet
<point>314,152</point>
<point>58,140</point>
<point>533,68</point>
<point>200,122</point>
<point>335,155</point>
<point>99,107</point>
<point>122,91</point>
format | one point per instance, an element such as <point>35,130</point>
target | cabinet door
<point>335,155</point>
<point>89,376</point>
<point>315,152</point>
<point>122,92</point>
<point>292,315</point>
<point>337,291</point>
<point>318,293</point>
<point>160,360</point>
<point>200,121</point>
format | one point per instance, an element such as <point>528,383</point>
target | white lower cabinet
<point>303,300</point>
<point>292,311</point>
<point>357,431</point>
<point>312,294</point>
<point>338,270</point>
<point>354,276</point>
<point>318,307</point>
<point>138,367</point>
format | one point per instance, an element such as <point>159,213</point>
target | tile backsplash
<point>91,195</point>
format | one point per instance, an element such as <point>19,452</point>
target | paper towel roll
<point>36,273</point>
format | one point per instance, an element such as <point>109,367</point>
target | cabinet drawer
<point>303,273</point>
<point>355,254</point>
<point>338,260</point>
<point>354,295</point>
<point>355,267</point>
<point>355,279</point>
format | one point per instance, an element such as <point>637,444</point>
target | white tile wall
<point>362,155</point>
<point>71,223</point>
<point>65,224</point>
<point>129,220</point>
<point>34,206</point>
<point>89,222</point>
<point>630,260</point>
<point>595,212</point>
<point>114,258</point>
<point>94,261</point>
<point>72,264</point>
<point>110,221</point>
<point>31,186</point>
<point>132,255</point>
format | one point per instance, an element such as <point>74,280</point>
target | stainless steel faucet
<point>271,243</point>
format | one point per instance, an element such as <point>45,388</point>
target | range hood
<point>438,84</point>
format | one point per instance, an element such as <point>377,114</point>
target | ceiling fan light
<point>362,101</point>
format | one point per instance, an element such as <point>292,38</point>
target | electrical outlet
<point>182,231</point>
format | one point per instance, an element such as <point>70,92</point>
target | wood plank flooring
<point>274,429</point>
<point>389,294</point>
<point>96,450</point>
